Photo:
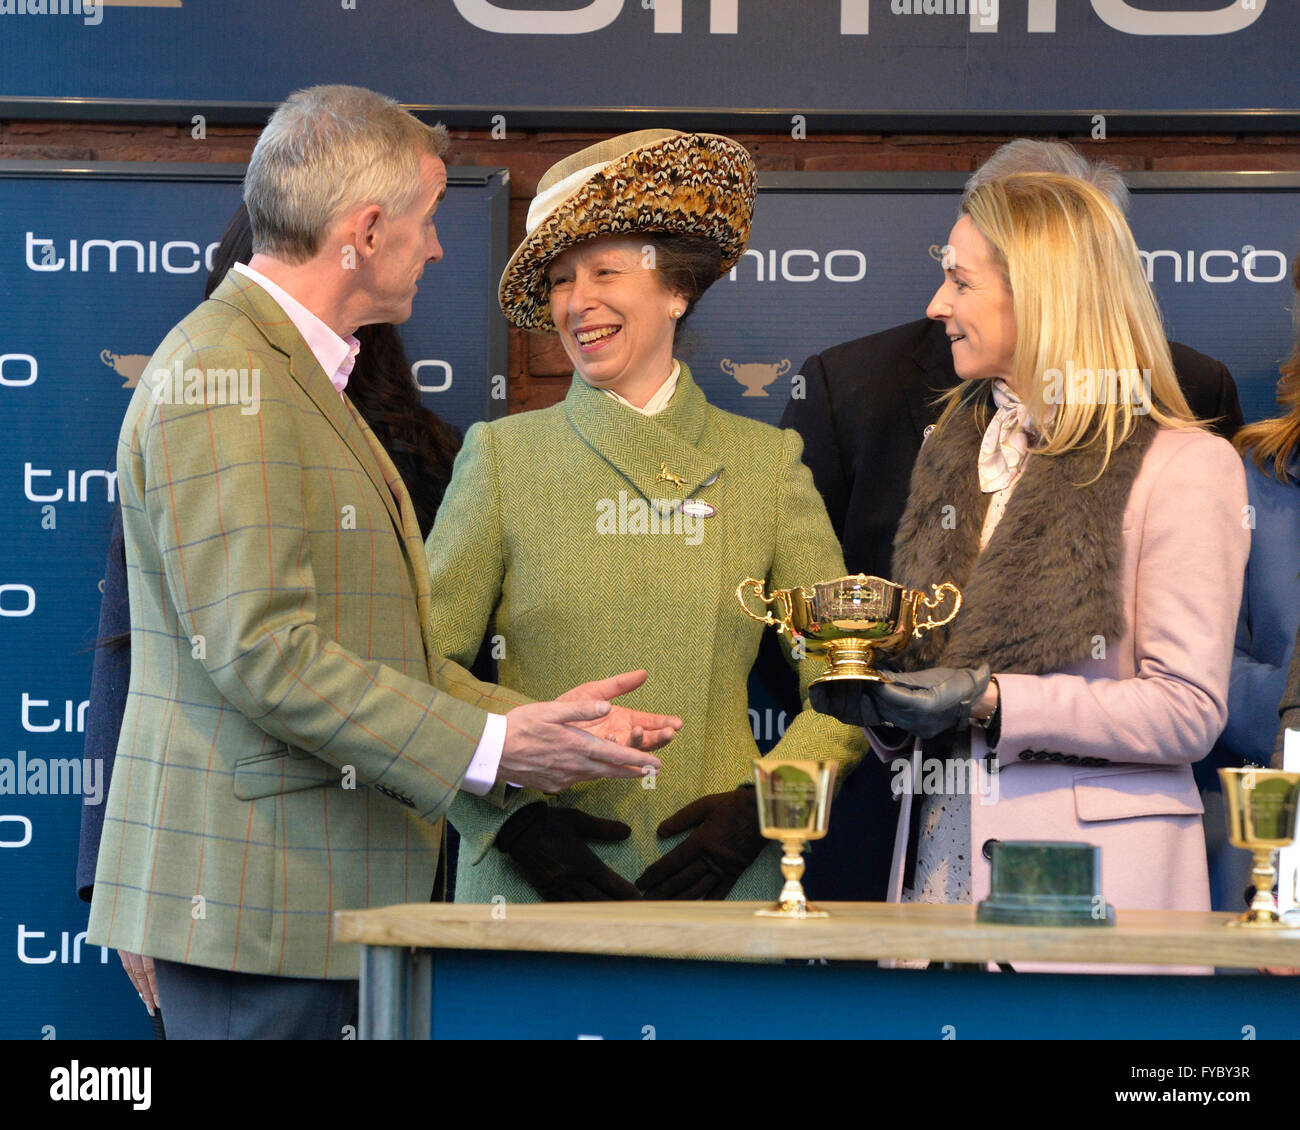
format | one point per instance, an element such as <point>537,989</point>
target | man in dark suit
<point>866,406</point>
<point>1289,708</point>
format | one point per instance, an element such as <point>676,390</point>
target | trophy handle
<point>766,618</point>
<point>938,592</point>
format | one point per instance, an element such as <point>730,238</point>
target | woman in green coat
<point>611,531</point>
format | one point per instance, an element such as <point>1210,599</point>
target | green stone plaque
<point>1044,883</point>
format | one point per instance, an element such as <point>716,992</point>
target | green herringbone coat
<point>534,544</point>
<point>280,665</point>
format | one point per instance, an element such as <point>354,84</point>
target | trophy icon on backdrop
<point>851,619</point>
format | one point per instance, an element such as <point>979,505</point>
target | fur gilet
<point>1048,583</point>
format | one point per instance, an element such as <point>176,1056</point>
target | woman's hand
<point>846,700</point>
<point>708,862</point>
<point>931,702</point>
<point>548,844</point>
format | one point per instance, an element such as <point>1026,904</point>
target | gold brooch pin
<point>666,476</point>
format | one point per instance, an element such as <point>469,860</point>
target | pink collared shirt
<point>337,356</point>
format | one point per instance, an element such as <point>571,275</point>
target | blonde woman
<point>1096,533</point>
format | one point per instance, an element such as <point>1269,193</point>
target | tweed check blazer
<point>537,537</point>
<point>291,739</point>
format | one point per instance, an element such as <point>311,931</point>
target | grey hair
<point>1025,155</point>
<point>325,151</point>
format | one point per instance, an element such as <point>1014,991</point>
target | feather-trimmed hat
<point>653,180</point>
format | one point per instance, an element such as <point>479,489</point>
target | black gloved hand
<point>546,843</point>
<point>930,702</point>
<point>847,700</point>
<point>708,862</point>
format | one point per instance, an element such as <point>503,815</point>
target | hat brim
<point>688,184</point>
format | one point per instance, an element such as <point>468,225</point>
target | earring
<point>678,313</point>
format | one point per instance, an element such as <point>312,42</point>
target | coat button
<point>395,796</point>
<point>987,850</point>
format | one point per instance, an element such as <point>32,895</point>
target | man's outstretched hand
<point>582,736</point>
<point>634,728</point>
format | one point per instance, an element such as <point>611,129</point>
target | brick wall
<point>539,371</point>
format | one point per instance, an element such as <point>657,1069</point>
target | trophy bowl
<point>794,806</point>
<point>1261,807</point>
<point>850,619</point>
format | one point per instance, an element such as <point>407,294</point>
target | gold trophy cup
<point>794,806</point>
<point>1261,806</point>
<point>849,619</point>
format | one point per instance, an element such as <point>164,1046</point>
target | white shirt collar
<point>662,396</point>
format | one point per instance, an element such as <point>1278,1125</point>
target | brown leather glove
<point>708,862</point>
<point>547,844</point>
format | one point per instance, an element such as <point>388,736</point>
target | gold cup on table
<point>794,806</point>
<point>1261,807</point>
<point>850,619</point>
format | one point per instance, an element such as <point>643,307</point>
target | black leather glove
<point>847,700</point>
<point>930,702</point>
<point>546,843</point>
<point>708,862</point>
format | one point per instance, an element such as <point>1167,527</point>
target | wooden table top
<point>863,931</point>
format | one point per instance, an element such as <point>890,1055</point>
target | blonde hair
<point>1275,439</point>
<point>325,151</point>
<point>1088,332</point>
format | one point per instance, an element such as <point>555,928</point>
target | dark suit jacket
<point>109,679</point>
<point>1289,708</point>
<point>866,408</point>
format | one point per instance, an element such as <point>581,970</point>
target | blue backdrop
<point>832,55</point>
<point>832,257</point>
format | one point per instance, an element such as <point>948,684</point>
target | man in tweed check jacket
<point>291,740</point>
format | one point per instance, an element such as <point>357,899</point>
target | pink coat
<point>1152,702</point>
